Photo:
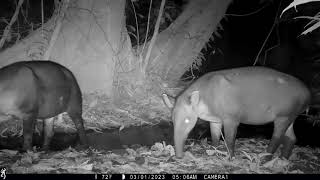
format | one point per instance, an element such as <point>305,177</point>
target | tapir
<point>250,95</point>
<point>31,90</point>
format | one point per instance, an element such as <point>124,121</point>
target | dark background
<point>243,35</point>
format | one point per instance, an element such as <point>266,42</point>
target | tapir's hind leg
<point>75,112</point>
<point>288,140</point>
<point>78,121</point>
<point>47,132</point>
<point>230,127</point>
<point>281,125</point>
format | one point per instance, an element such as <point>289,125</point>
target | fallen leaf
<point>140,160</point>
<point>210,152</point>
<point>8,151</point>
<point>121,127</point>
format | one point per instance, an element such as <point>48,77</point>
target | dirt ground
<point>141,154</point>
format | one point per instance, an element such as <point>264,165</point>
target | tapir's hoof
<point>215,143</point>
<point>231,158</point>
<point>179,157</point>
<point>266,158</point>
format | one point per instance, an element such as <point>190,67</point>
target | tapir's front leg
<point>215,129</point>
<point>29,122</point>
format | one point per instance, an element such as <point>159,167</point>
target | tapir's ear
<point>167,101</point>
<point>195,98</point>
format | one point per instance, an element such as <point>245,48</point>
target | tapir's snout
<point>179,141</point>
<point>182,129</point>
<point>184,118</point>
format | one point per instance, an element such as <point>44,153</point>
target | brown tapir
<point>40,89</point>
<point>249,95</point>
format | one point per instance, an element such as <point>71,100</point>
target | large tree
<point>90,38</point>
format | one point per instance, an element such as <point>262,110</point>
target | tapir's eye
<point>186,120</point>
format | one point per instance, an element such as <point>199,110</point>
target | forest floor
<point>159,158</point>
<point>155,157</point>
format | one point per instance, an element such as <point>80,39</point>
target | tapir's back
<point>266,84</point>
<point>255,93</point>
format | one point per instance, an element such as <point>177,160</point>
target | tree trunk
<point>175,50</point>
<point>178,46</point>
<point>90,43</point>
<point>93,42</point>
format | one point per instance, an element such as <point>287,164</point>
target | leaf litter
<point>160,158</point>
<point>199,157</point>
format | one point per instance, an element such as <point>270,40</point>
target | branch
<point>146,37</point>
<point>57,29</point>
<point>248,14</point>
<point>269,34</point>
<point>154,36</point>
<point>12,21</point>
<point>42,18</point>
<point>137,25</point>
